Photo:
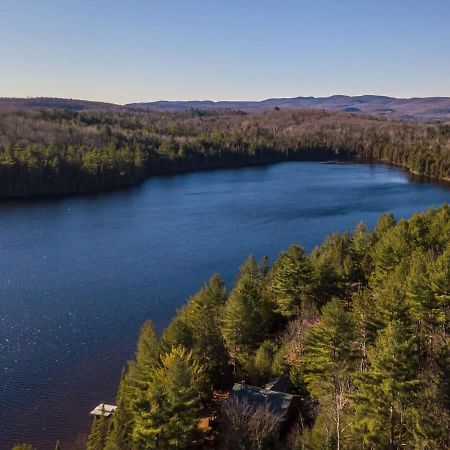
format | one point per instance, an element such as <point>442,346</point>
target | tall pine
<point>327,363</point>
<point>97,437</point>
<point>242,321</point>
<point>384,402</point>
<point>173,401</point>
<point>291,281</point>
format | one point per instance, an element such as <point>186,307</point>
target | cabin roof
<point>279,384</point>
<point>277,402</point>
<point>103,410</point>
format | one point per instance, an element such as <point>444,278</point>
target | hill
<point>60,151</point>
<point>13,104</point>
<point>423,109</point>
<point>428,109</point>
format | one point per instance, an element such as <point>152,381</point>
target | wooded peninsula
<point>358,328</point>
<point>53,151</point>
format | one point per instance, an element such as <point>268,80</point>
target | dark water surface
<point>79,275</point>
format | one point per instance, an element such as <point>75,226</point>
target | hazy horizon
<point>249,51</point>
<point>181,100</point>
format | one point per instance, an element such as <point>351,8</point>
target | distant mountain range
<point>423,109</point>
<point>430,108</point>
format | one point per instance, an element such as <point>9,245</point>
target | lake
<point>79,275</point>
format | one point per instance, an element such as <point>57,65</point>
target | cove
<point>79,275</point>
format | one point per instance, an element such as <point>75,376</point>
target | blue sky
<point>133,50</point>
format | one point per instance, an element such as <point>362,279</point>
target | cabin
<point>279,384</point>
<point>285,405</point>
<point>103,410</point>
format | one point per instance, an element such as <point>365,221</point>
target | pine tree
<point>148,349</point>
<point>204,315</point>
<point>132,388</point>
<point>440,286</point>
<point>390,302</point>
<point>173,401</point>
<point>242,325</point>
<point>384,223</point>
<point>97,437</point>
<point>421,302</point>
<point>385,399</point>
<point>362,242</point>
<point>291,281</point>
<point>334,268</point>
<point>179,332</point>
<point>264,358</point>
<point>122,421</point>
<point>365,323</point>
<point>327,363</point>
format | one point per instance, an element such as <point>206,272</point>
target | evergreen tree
<point>421,303</point>
<point>173,401</point>
<point>327,363</point>
<point>241,325</point>
<point>204,315</point>
<point>179,332</point>
<point>197,327</point>
<point>334,268</point>
<point>390,303</point>
<point>362,242</point>
<point>122,421</point>
<point>365,324</point>
<point>385,399</point>
<point>384,223</point>
<point>147,354</point>
<point>291,281</point>
<point>264,359</point>
<point>440,286</point>
<point>279,365</point>
<point>97,437</point>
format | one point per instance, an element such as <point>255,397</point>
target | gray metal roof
<point>277,402</point>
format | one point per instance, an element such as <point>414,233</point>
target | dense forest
<point>60,151</point>
<point>360,327</point>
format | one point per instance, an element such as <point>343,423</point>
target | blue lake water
<point>79,275</point>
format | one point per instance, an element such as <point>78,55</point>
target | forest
<point>360,327</point>
<point>61,151</point>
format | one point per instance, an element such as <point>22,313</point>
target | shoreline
<point>324,157</point>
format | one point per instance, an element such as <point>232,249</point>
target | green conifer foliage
<point>242,325</point>
<point>385,399</point>
<point>291,281</point>
<point>440,286</point>
<point>97,437</point>
<point>264,359</point>
<point>197,327</point>
<point>173,401</point>
<point>327,363</point>
<point>122,421</point>
<point>204,315</point>
<point>148,348</point>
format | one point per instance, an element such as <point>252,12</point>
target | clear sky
<point>142,50</point>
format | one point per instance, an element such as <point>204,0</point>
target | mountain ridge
<point>415,108</point>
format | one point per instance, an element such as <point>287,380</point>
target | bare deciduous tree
<point>244,426</point>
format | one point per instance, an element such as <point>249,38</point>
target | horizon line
<point>225,101</point>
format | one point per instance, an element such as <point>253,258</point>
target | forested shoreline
<point>359,326</point>
<point>61,151</point>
